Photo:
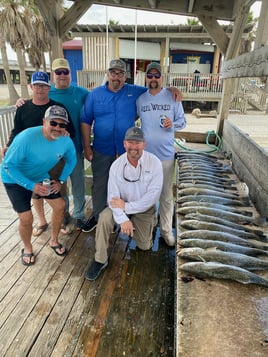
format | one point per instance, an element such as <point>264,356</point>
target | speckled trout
<point>195,224</point>
<point>216,255</point>
<point>222,271</point>
<point>231,216</point>
<point>222,236</point>
<point>214,199</point>
<point>225,246</point>
<point>217,206</point>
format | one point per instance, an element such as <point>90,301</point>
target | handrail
<point>6,123</point>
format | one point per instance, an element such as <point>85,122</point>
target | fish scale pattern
<point>219,232</point>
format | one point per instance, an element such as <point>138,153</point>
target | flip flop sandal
<point>28,255</point>
<point>59,246</point>
<point>38,230</point>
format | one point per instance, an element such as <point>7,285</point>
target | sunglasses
<point>117,74</point>
<point>128,180</point>
<point>153,75</point>
<point>62,71</point>
<point>54,123</point>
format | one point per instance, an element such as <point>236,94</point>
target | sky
<point>97,14</point>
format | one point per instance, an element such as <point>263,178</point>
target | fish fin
<point>259,221</point>
<point>202,259</point>
<point>246,201</point>
<point>212,249</point>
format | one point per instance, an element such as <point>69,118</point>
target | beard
<point>54,136</point>
<point>116,84</point>
<point>153,85</point>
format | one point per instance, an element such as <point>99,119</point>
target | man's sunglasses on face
<point>153,75</point>
<point>64,71</point>
<point>117,74</point>
<point>54,123</point>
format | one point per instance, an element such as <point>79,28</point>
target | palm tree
<point>192,21</point>
<point>18,33</point>
<point>41,43</point>
<point>13,94</point>
<point>23,28</point>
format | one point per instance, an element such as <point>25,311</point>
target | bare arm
<point>86,133</point>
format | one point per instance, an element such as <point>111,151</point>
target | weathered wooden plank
<point>92,331</point>
<point>141,317</point>
<point>50,313</point>
<point>252,64</point>
<point>250,163</point>
<point>193,137</point>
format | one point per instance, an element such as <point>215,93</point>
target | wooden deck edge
<point>192,137</point>
<point>250,163</point>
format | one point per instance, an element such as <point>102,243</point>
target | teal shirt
<point>31,156</point>
<point>73,98</point>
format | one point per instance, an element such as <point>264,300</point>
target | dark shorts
<point>20,198</point>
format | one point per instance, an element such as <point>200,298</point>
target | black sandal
<point>28,255</point>
<point>59,246</point>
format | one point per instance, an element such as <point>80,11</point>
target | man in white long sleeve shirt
<point>134,187</point>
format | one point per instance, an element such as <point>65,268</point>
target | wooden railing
<point>6,124</point>
<point>205,86</point>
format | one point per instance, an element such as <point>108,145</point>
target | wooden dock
<point>49,309</point>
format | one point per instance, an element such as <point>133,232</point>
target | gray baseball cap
<point>154,65</point>
<point>56,112</point>
<point>135,134</point>
<point>118,64</point>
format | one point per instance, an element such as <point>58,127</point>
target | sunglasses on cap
<point>62,71</point>
<point>54,123</point>
<point>153,75</point>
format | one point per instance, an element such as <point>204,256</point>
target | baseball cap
<point>60,63</point>
<point>56,112</point>
<point>135,134</point>
<point>154,65</point>
<point>118,64</point>
<point>40,78</point>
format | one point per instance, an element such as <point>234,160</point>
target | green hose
<point>213,148</point>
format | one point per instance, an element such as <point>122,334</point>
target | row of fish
<point>219,234</point>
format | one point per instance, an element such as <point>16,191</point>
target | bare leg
<point>25,230</point>
<point>39,208</point>
<point>58,207</point>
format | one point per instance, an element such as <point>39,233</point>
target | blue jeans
<point>78,189</point>
<point>100,170</point>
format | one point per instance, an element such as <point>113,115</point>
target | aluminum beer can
<point>46,182</point>
<point>162,119</point>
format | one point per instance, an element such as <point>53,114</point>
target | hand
<point>41,190</point>
<point>66,133</point>
<point>3,151</point>
<point>127,228</point>
<point>55,186</point>
<point>176,94</point>
<point>117,203</point>
<point>20,102</point>
<point>167,124</point>
<point>88,153</point>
